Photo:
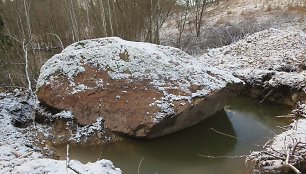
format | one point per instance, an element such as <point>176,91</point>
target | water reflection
<point>248,121</point>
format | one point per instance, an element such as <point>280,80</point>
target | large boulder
<point>139,89</point>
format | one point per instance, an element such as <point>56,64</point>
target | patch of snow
<point>79,88</point>
<point>294,79</point>
<point>64,115</point>
<point>288,138</point>
<point>86,131</point>
<point>276,53</point>
<point>18,153</point>
<point>99,83</point>
<point>50,166</point>
<point>273,156</point>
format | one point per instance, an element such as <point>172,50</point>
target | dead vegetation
<point>286,153</point>
<point>230,21</point>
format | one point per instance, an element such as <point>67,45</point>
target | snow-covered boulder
<point>139,89</point>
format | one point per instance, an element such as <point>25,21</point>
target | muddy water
<point>245,125</point>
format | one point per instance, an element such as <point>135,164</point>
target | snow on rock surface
<point>18,153</point>
<point>132,85</point>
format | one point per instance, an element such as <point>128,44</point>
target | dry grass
<point>268,9</point>
<point>297,9</point>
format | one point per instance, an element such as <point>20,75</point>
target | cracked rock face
<point>139,89</point>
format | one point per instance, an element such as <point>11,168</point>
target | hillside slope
<point>231,20</point>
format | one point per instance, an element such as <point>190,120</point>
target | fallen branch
<point>74,170</point>
<point>290,165</point>
<point>26,155</point>
<point>286,116</point>
<point>218,157</point>
<point>231,136</point>
<point>138,169</point>
<point>266,96</point>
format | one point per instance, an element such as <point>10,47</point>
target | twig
<point>231,136</point>
<point>138,170</point>
<point>75,171</point>
<point>67,158</point>
<point>266,144</point>
<point>290,165</point>
<point>287,156</point>
<point>100,156</point>
<point>217,157</point>
<point>57,37</point>
<point>266,96</point>
<point>277,157</point>
<point>26,155</point>
<point>293,168</point>
<point>286,116</point>
<point>282,128</point>
<point>223,133</point>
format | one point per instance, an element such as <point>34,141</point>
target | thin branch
<point>218,157</point>
<point>277,157</point>
<point>74,170</point>
<point>231,136</point>
<point>100,156</point>
<point>286,116</point>
<point>138,169</point>
<point>266,96</point>
<point>12,37</point>
<point>25,51</point>
<point>294,168</point>
<point>57,37</point>
<point>290,165</point>
<point>67,157</point>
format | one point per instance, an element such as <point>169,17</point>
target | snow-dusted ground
<point>279,54</point>
<point>18,153</point>
<point>287,145</point>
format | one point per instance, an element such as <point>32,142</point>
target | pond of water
<point>244,126</point>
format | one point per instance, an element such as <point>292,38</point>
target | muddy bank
<point>286,153</point>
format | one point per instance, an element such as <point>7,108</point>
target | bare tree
<point>24,38</point>
<point>38,26</point>
<point>181,20</point>
<point>199,10</point>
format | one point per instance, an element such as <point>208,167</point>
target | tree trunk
<point>110,18</point>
